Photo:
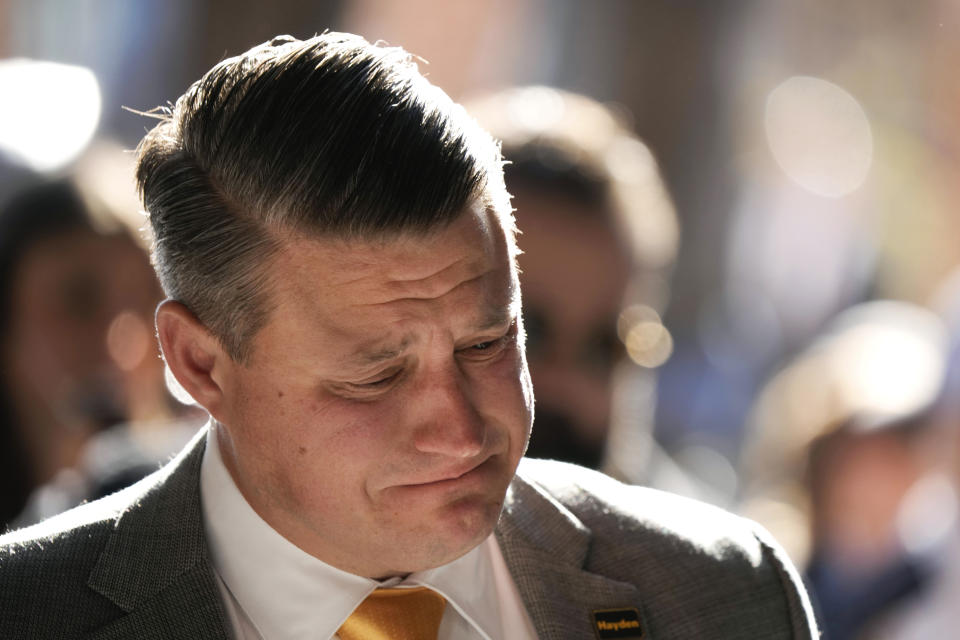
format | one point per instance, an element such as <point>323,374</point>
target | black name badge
<point>617,623</point>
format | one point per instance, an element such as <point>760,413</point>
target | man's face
<point>387,402</point>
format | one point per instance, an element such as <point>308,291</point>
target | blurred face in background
<point>79,353</point>
<point>859,481</point>
<point>574,273</point>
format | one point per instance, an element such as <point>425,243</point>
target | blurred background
<point>790,351</point>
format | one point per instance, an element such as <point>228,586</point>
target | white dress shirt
<point>273,590</point>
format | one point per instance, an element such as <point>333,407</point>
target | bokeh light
<point>48,111</point>
<point>819,135</point>
<point>649,343</point>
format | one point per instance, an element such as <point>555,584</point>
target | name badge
<point>617,623</point>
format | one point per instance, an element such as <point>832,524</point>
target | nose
<point>451,425</point>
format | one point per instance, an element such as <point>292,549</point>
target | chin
<point>472,523</point>
<point>461,528</point>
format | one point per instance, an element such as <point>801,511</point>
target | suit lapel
<point>188,608</point>
<point>546,548</point>
<point>155,564</point>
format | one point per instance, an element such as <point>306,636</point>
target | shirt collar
<point>287,593</point>
<point>469,586</point>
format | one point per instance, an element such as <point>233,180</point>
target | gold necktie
<point>396,614</point>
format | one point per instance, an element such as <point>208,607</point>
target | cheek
<point>336,454</point>
<point>507,394</point>
<point>323,446</point>
<point>267,427</point>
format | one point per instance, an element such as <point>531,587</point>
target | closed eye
<point>379,382</point>
<point>490,348</point>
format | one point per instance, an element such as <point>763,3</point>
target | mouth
<point>454,476</point>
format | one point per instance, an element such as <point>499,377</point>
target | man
<point>335,241</point>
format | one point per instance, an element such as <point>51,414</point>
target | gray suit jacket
<point>136,565</point>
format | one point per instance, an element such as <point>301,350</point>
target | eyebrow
<point>365,356</point>
<point>496,318</point>
<point>493,319</point>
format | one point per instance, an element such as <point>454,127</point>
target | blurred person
<point>77,295</point>
<point>336,241</point>
<point>878,529</point>
<point>933,612</point>
<point>841,462</point>
<point>599,237</point>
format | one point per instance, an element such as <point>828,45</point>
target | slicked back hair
<point>330,137</point>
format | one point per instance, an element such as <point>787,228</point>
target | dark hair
<point>330,136</point>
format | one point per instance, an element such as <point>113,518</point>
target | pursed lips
<point>450,475</point>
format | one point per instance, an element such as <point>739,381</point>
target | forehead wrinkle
<point>460,273</point>
<point>494,316</point>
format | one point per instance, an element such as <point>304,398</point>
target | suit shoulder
<point>603,503</point>
<point>77,571</point>
<point>695,556</point>
<point>66,543</point>
<point>74,526</point>
<point>50,562</point>
<point>84,524</point>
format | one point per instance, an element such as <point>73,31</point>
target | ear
<point>195,357</point>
